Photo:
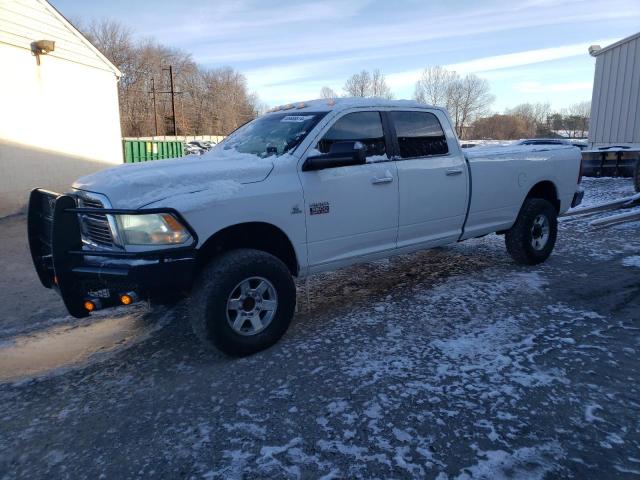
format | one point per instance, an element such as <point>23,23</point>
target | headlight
<point>152,229</point>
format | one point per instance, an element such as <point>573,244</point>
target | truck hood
<point>139,184</point>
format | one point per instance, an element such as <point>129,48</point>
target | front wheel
<point>243,302</point>
<point>531,239</point>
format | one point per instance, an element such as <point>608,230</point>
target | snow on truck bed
<point>493,150</point>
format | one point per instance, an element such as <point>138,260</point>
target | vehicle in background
<point>191,149</point>
<point>201,144</point>
<point>305,188</point>
<point>552,141</point>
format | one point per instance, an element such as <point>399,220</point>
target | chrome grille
<point>95,226</point>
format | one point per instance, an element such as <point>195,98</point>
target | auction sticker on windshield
<point>296,118</point>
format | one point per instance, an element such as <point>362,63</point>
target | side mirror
<point>341,154</point>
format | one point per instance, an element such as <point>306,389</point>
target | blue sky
<point>529,50</point>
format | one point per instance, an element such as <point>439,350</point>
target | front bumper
<point>79,273</point>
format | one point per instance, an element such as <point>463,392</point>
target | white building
<point>59,115</point>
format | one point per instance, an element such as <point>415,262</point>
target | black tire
<point>636,176</point>
<point>208,301</point>
<point>520,238</point>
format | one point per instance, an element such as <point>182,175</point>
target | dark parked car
<point>201,144</point>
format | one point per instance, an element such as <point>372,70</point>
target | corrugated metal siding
<point>24,21</point>
<point>615,104</point>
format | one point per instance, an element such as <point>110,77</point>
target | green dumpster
<point>146,150</point>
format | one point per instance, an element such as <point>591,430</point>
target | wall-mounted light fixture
<point>594,50</point>
<point>42,47</point>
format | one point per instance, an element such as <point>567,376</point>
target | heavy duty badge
<point>319,208</point>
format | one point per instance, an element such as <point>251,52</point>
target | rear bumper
<point>78,273</point>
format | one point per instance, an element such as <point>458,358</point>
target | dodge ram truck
<point>304,188</point>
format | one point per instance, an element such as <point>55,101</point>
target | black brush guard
<point>74,271</point>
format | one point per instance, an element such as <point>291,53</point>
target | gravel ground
<point>449,363</point>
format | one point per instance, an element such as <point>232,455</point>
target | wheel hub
<point>248,304</point>
<point>537,231</point>
<point>251,306</point>
<point>540,231</point>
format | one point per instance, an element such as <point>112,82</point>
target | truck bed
<point>517,169</point>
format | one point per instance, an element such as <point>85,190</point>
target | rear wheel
<point>243,302</point>
<point>531,239</point>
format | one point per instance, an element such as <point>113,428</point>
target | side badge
<point>295,210</point>
<point>319,208</point>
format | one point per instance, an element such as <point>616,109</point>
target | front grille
<point>95,226</point>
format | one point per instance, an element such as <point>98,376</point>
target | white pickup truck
<point>305,188</point>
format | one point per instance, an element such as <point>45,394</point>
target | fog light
<point>128,298</point>
<point>91,305</point>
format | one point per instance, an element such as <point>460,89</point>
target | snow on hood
<point>135,185</point>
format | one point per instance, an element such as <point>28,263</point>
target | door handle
<point>380,180</point>
<point>454,171</point>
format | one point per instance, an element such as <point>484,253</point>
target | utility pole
<point>173,99</point>
<point>173,94</point>
<point>155,113</point>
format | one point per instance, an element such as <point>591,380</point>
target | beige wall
<point>58,121</point>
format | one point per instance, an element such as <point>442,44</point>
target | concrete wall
<point>615,104</point>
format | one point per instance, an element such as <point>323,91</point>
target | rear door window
<point>364,127</point>
<point>419,134</point>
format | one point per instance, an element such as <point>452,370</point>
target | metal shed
<point>615,104</point>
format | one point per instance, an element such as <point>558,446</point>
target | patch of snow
<point>633,261</point>
<point>589,413</point>
<point>524,463</point>
<point>140,184</point>
<point>401,435</point>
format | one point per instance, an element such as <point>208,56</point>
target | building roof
<point>26,21</point>
<point>54,11</point>
<point>595,52</point>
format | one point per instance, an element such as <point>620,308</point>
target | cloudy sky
<point>529,50</point>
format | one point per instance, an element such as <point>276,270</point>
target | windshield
<point>273,134</point>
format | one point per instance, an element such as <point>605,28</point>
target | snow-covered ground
<point>451,364</point>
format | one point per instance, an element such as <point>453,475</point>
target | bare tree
<point>365,84</point>
<point>577,118</point>
<point>499,127</point>
<point>327,92</point>
<point>379,87</point>
<point>471,100</point>
<point>535,115</point>
<point>211,101</point>
<point>435,86</point>
<point>466,98</point>
<point>358,85</point>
